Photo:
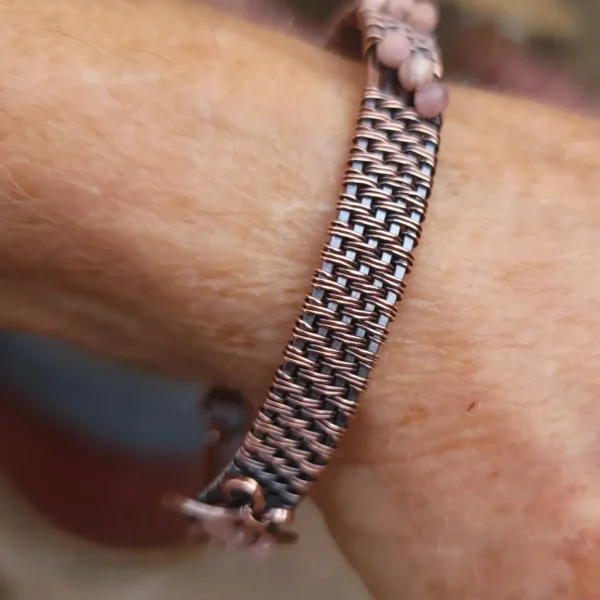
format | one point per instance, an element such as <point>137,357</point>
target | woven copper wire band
<point>355,293</point>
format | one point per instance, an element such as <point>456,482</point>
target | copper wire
<point>356,290</point>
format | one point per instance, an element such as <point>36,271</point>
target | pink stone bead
<point>416,72</point>
<point>400,9</point>
<point>424,16</point>
<point>394,49</point>
<point>431,100</point>
<point>374,5</point>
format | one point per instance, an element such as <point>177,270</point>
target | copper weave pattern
<point>355,293</point>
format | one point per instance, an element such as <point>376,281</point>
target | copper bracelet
<point>345,318</point>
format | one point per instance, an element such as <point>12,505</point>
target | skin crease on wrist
<point>168,175</point>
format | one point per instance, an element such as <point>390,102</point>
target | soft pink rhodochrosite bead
<point>399,9</point>
<point>374,5</point>
<point>416,72</point>
<point>394,49</point>
<point>424,17</point>
<point>431,100</point>
<point>408,46</point>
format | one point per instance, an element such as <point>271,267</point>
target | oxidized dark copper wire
<point>345,318</point>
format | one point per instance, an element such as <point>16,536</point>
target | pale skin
<point>167,180</point>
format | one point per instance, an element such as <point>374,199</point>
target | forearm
<point>167,196</point>
<point>163,163</point>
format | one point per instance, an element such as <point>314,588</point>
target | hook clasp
<point>246,526</point>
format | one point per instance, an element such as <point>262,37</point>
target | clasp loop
<point>246,526</point>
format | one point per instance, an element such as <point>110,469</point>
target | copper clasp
<point>248,526</point>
